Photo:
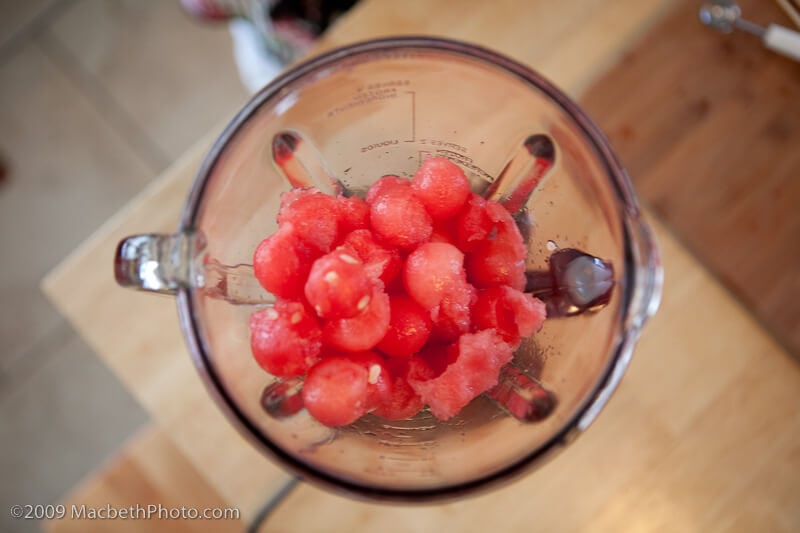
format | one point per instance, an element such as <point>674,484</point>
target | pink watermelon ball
<point>505,228</point>
<point>381,263</point>
<point>500,258</point>
<point>353,214</point>
<point>338,286</point>
<point>453,315</point>
<point>314,215</point>
<point>399,219</point>
<point>495,263</point>
<point>385,185</point>
<point>403,402</point>
<point>363,331</point>
<point>441,186</point>
<point>472,224</point>
<point>379,378</point>
<point>335,391</point>
<point>409,327</point>
<point>432,271</point>
<point>281,263</point>
<point>285,339</point>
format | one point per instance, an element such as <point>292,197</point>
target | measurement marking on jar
<point>379,144</point>
<point>363,98</point>
<point>465,161</point>
<point>424,154</point>
<point>369,93</point>
<point>413,116</point>
<point>445,144</point>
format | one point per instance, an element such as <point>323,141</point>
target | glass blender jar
<point>339,122</point>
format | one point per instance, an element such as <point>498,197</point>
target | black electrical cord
<point>271,504</point>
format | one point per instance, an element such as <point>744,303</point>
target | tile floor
<point>96,98</point>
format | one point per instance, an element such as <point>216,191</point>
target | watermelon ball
<point>384,185</point>
<point>379,378</point>
<point>514,314</point>
<point>441,186</point>
<point>399,219</point>
<point>335,391</point>
<point>432,271</point>
<point>505,228</point>
<point>500,258</point>
<point>363,331</point>
<point>338,286</point>
<point>453,316</point>
<point>314,215</point>
<point>285,339</point>
<point>495,263</point>
<point>281,263</point>
<point>472,224</point>
<point>353,214</point>
<point>475,370</point>
<point>380,263</point>
<point>402,402</point>
<point>409,327</point>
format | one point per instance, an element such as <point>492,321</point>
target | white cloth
<point>256,65</point>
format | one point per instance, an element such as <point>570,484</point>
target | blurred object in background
<point>269,34</point>
<point>726,15</point>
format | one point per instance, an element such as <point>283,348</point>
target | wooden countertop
<point>702,435</point>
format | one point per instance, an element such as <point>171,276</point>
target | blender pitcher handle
<point>156,262</point>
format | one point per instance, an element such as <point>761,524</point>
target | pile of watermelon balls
<point>409,297</point>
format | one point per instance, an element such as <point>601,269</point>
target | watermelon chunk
<point>514,314</point>
<point>481,355</point>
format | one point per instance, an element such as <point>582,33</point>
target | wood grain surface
<point>702,435</point>
<point>150,470</point>
<point>709,130</point>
